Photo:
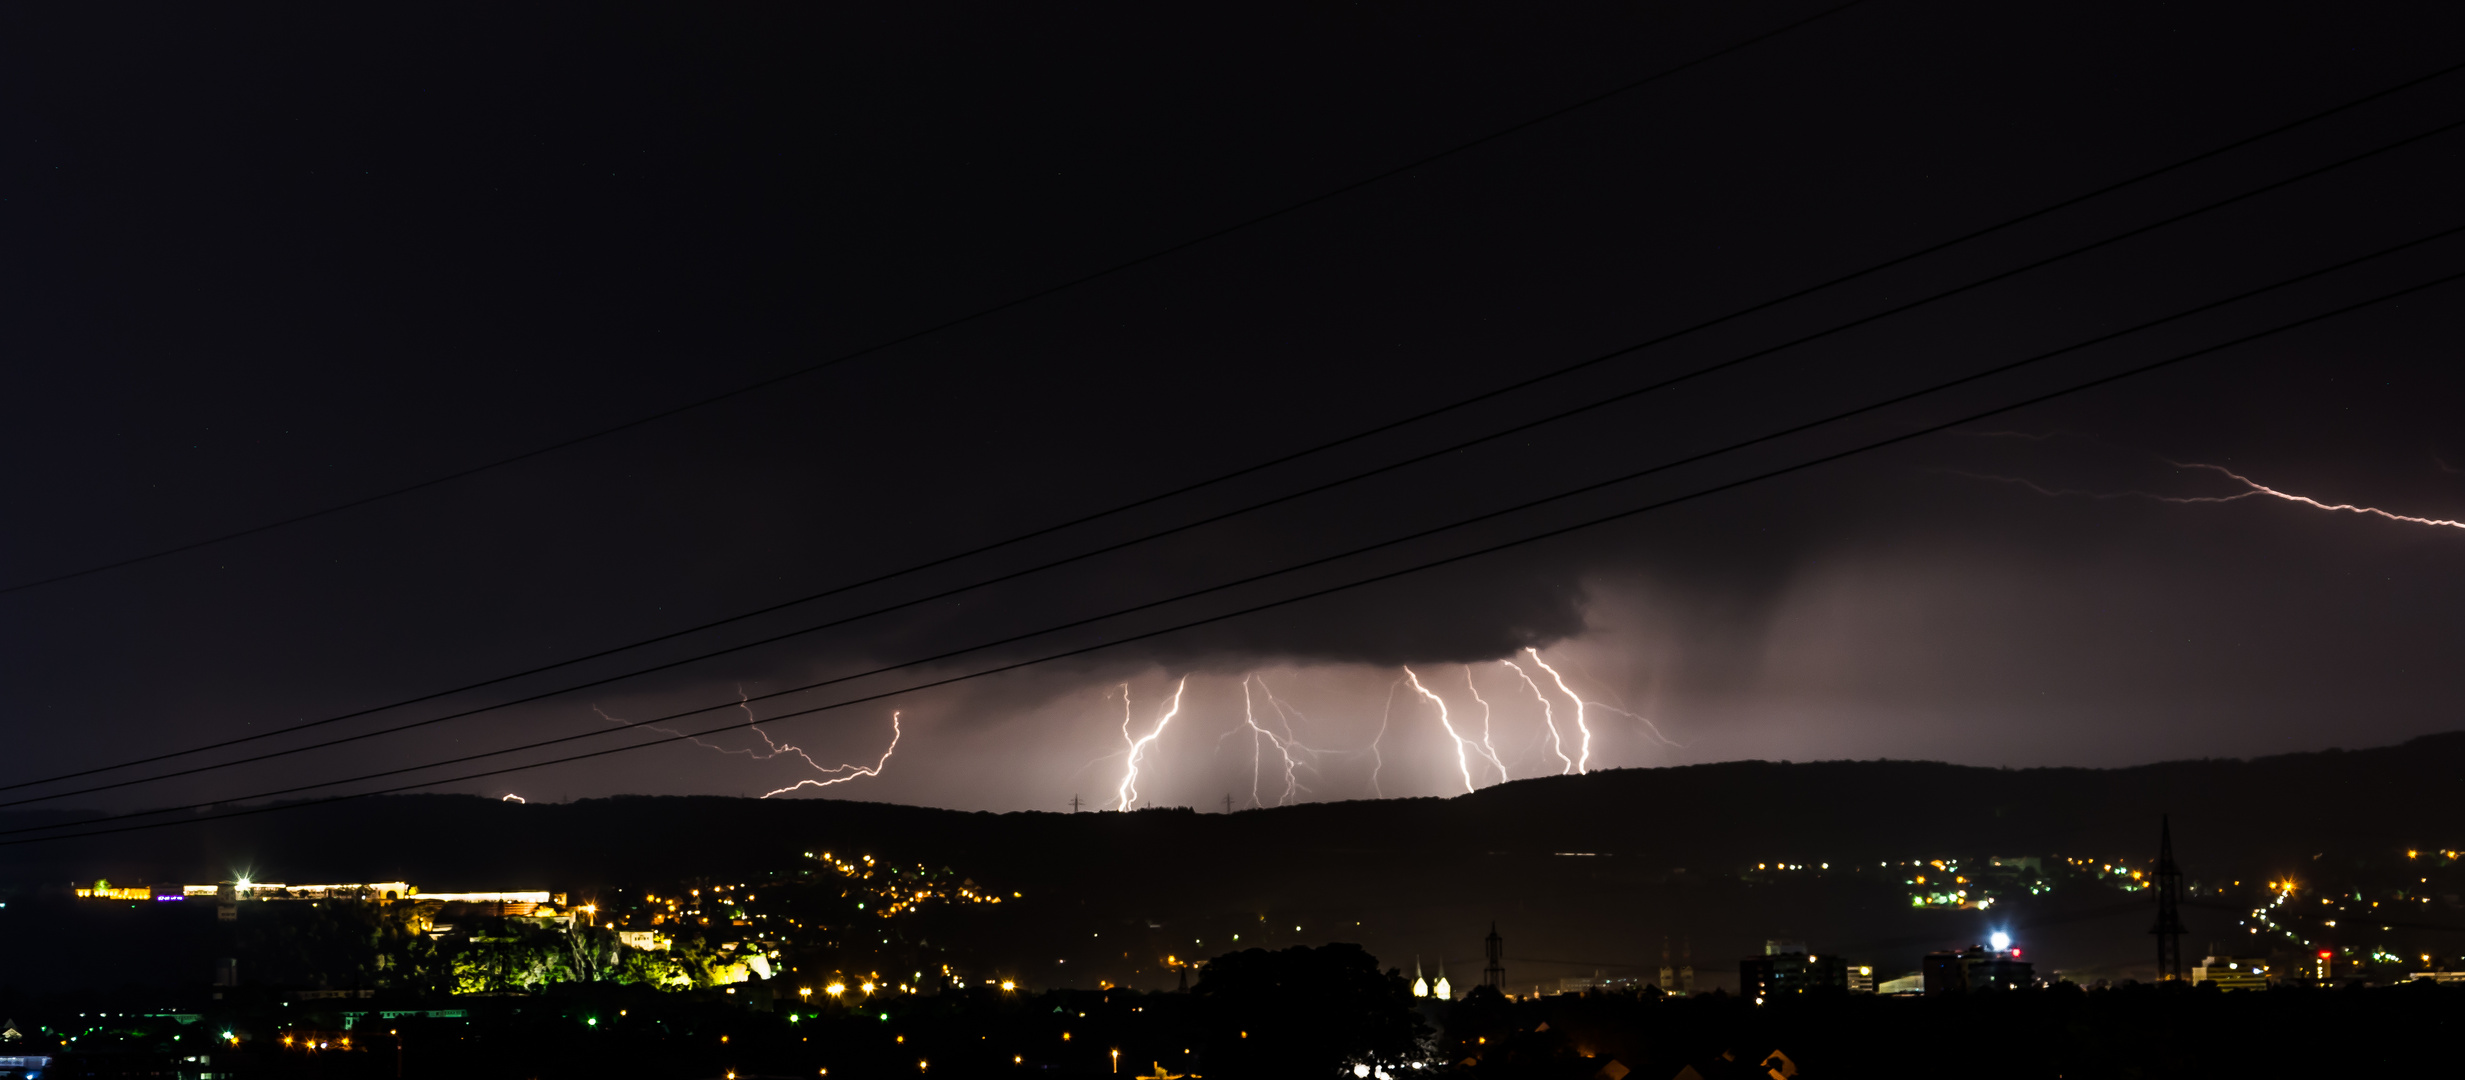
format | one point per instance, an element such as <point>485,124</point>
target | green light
<point>885,1018</point>
<point>791,1018</point>
<point>593,1021</point>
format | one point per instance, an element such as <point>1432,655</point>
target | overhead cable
<point>1528,539</point>
<point>1579,365</point>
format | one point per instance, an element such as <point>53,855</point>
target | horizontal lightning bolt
<point>832,774</point>
<point>2252,489</point>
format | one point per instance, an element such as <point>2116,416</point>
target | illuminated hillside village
<point>850,963</point>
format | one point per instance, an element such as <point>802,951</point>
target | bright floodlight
<point>2001,940</point>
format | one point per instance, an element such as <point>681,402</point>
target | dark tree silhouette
<point>1304,1011</point>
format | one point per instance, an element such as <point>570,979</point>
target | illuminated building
<point>1911,983</point>
<point>1678,980</point>
<point>264,890</point>
<point>2231,973</point>
<point>1598,980</point>
<point>1787,968</point>
<point>1977,968</point>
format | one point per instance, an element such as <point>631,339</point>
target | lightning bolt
<point>1648,725</point>
<point>830,773</point>
<point>2251,489</point>
<point>1488,748</point>
<point>1284,712</point>
<point>1377,757</point>
<point>1283,746</point>
<point>1250,715</point>
<point>1127,794</point>
<point>1556,745</point>
<point>1463,760</point>
<point>1583,757</point>
<point>853,771</point>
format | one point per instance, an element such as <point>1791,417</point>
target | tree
<point>591,951</point>
<point>1304,1010</point>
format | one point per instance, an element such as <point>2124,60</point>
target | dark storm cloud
<point>274,263</point>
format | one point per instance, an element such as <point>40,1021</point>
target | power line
<point>847,619</point>
<point>1357,436</point>
<point>975,316</point>
<point>1449,560</point>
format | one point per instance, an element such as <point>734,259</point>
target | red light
<point>2326,953</point>
<point>2015,954</point>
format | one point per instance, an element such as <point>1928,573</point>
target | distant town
<point>849,964</point>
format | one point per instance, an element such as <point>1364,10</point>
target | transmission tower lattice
<point>2169,928</point>
<point>1493,975</point>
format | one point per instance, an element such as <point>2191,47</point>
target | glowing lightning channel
<point>853,771</point>
<point>1583,757</point>
<point>1377,757</point>
<point>2255,488</point>
<point>1284,712</point>
<point>1463,761</point>
<point>1127,794</point>
<point>1249,715</point>
<point>1648,725</point>
<point>1556,745</point>
<point>1283,746</point>
<point>777,748</point>
<point>1488,749</point>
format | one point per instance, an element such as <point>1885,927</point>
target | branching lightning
<point>1556,745</point>
<point>1378,758</point>
<point>1463,760</point>
<point>2251,489</point>
<point>852,771</point>
<point>1476,754</point>
<point>831,774</point>
<point>1488,749</point>
<point>1126,796</point>
<point>1583,757</point>
<point>1283,746</point>
<point>1648,726</point>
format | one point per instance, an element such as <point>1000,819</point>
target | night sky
<point>264,262</point>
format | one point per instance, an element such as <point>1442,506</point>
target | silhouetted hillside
<point>1584,872</point>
